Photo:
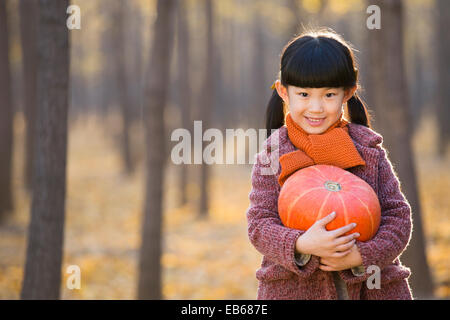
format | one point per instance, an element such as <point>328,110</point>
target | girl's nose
<point>316,106</point>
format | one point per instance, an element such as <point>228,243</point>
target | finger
<point>341,254</point>
<point>329,261</point>
<point>339,232</point>
<point>346,239</point>
<point>324,221</point>
<point>326,268</point>
<point>345,246</point>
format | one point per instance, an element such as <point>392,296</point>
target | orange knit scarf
<point>333,147</point>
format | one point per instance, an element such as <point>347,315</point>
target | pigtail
<point>274,113</point>
<point>357,111</point>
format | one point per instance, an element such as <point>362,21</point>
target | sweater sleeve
<point>394,232</point>
<point>265,229</point>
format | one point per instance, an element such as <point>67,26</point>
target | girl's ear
<point>282,91</point>
<point>349,93</point>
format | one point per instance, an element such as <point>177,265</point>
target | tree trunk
<point>6,120</point>
<point>295,9</point>
<point>261,91</point>
<point>149,286</point>
<point>207,105</point>
<point>125,103</point>
<point>28,24</point>
<point>135,80</point>
<point>417,84</point>
<point>42,276</point>
<point>184,97</point>
<point>108,71</point>
<point>393,122</point>
<point>443,104</point>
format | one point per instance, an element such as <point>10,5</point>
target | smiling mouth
<point>314,119</point>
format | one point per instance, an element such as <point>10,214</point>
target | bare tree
<point>149,286</point>
<point>125,102</point>
<point>207,104</point>
<point>417,86</point>
<point>136,47</point>
<point>443,104</point>
<point>393,120</point>
<point>28,24</point>
<point>108,71</point>
<point>6,111</point>
<point>261,85</point>
<point>184,97</point>
<point>42,276</point>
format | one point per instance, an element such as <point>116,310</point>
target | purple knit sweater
<point>280,277</point>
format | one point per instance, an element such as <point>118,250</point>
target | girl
<point>318,75</point>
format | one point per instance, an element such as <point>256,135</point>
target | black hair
<point>316,59</point>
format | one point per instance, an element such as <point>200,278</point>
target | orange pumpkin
<point>314,192</point>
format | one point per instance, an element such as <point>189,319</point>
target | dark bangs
<point>317,62</point>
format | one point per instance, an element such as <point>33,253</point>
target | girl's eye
<point>303,94</point>
<point>330,94</point>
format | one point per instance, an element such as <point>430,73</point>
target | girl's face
<point>314,109</point>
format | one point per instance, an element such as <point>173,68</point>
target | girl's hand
<point>326,244</point>
<point>353,259</point>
